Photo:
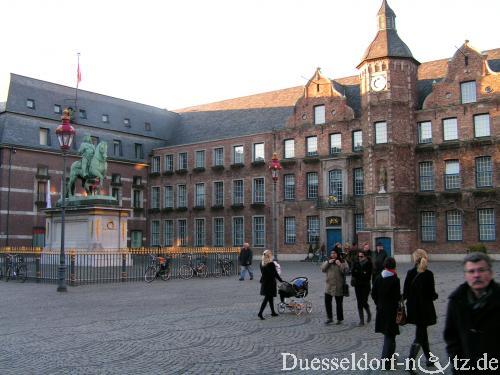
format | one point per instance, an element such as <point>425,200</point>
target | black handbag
<point>401,313</point>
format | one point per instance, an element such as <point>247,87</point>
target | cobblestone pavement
<point>198,326</point>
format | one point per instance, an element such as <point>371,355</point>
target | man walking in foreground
<point>246,261</point>
<point>472,327</point>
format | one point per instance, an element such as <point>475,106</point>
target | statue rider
<point>87,150</point>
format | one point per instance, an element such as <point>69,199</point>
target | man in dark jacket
<point>472,329</point>
<point>378,259</point>
<point>246,261</point>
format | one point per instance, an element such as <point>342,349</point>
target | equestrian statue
<point>91,168</point>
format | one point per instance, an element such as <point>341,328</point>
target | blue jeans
<point>244,269</point>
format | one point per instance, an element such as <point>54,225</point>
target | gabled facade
<point>405,153</point>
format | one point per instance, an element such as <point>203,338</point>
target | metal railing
<point>107,266</point>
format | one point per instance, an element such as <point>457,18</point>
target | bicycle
<point>15,268</point>
<point>225,267</point>
<point>158,267</point>
<point>187,271</point>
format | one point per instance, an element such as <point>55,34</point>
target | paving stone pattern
<point>198,326</point>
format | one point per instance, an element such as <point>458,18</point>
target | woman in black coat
<point>361,281</point>
<point>419,293</point>
<point>386,294</point>
<point>268,282</point>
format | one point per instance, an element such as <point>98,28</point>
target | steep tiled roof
<point>387,43</point>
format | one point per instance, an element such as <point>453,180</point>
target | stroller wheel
<point>297,308</point>
<point>281,307</point>
<point>309,306</point>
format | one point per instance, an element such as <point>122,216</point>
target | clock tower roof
<point>387,42</point>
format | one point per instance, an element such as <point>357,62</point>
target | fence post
<point>124,267</point>
<point>38,271</point>
<point>72,269</point>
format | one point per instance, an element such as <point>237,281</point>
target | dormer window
<point>468,92</point>
<point>105,118</point>
<point>147,126</point>
<point>319,114</point>
<point>83,114</point>
<point>126,122</point>
<point>30,103</point>
<point>57,109</point>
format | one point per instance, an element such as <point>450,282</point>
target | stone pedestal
<point>91,226</point>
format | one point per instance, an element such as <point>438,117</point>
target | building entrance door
<point>386,242</point>
<point>332,237</point>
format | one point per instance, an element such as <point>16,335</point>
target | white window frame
<point>155,233</point>
<point>312,145</point>
<point>289,148</point>
<point>182,237</point>
<point>168,232</point>
<point>450,129</point>
<point>319,114</point>
<point>482,125</point>
<point>238,158</point>
<point>335,143</point>
<point>425,132</point>
<point>468,93</point>
<point>256,149</point>
<point>199,159</point>
<point>215,200</point>
<point>168,196</point>
<point>155,197</point>
<point>235,191</point>
<point>381,136</point>
<point>236,240</point>
<point>261,197</point>
<point>218,237</point>
<point>290,230</point>
<point>155,164</point>
<point>199,194</point>
<point>218,154</point>
<point>199,232</point>
<point>182,196</point>
<point>262,241</point>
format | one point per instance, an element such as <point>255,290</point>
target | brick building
<point>405,153</point>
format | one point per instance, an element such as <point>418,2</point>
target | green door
<point>136,239</point>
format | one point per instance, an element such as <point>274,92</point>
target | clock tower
<point>388,81</point>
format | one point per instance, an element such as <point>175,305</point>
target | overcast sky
<point>173,54</point>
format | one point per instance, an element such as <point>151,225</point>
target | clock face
<point>378,83</point>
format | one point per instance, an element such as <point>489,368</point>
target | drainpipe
<point>11,151</point>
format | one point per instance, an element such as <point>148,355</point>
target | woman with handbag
<point>361,281</point>
<point>386,294</point>
<point>335,269</point>
<point>420,293</point>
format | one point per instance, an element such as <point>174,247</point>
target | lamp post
<point>65,134</point>
<point>274,167</point>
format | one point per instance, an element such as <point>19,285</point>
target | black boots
<point>368,314</point>
<point>361,317</point>
<point>414,349</point>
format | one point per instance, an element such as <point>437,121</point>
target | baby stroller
<point>295,290</point>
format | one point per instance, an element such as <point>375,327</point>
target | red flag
<point>78,74</point>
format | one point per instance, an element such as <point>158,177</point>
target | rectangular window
<point>380,132</point>
<point>258,190</point>
<point>126,122</point>
<point>452,175</point>
<point>218,231</point>
<point>428,226</point>
<point>199,232</point>
<point>83,114</point>
<point>183,161</point>
<point>454,225</point>
<point>312,185</point>
<point>155,164</point>
<point>468,92</point>
<point>290,234</point>
<point>484,172</point>
<point>426,176</point>
<point>258,231</point>
<point>218,194</point>
<point>30,103</point>
<point>105,118</point>
<point>169,163</point>
<point>219,156</point>
<point>155,197</point>
<point>181,196</point>
<point>425,132</point>
<point>169,197</point>
<point>136,198</point>
<point>482,125</point>
<point>116,178</point>
<point>41,192</point>
<point>147,126</point>
<point>136,239</point>
<point>450,129</point>
<point>312,146</point>
<point>57,109</point>
<point>359,185</point>
<point>335,144</point>
<point>44,137</point>
<point>319,114</point>
<point>182,235</point>
<point>289,148</point>
<point>168,233</point>
<point>486,223</point>
<point>289,186</point>
<point>238,231</point>
<point>238,156</point>
<point>238,192</point>
<point>117,148</point>
<point>137,180</point>
<point>199,192</point>
<point>115,193</point>
<point>359,222</point>
<point>312,229</point>
<point>155,233</point>
<point>357,141</point>
<point>199,159</point>
<point>139,152</point>
<point>258,152</point>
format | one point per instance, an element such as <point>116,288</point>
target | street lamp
<point>274,167</point>
<point>65,134</point>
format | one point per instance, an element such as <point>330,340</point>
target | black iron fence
<point>106,266</point>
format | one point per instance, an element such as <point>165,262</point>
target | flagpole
<point>78,79</point>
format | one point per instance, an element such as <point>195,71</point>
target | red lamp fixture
<point>274,167</point>
<point>65,132</point>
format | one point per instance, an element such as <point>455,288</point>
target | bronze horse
<point>97,171</point>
